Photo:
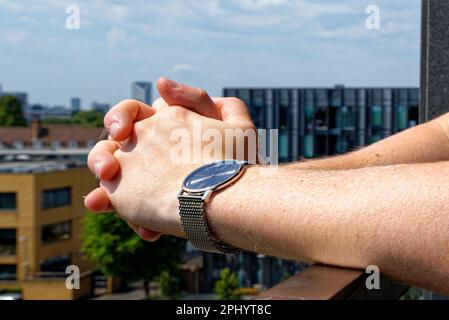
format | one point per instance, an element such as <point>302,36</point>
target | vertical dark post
<point>434,59</point>
<point>434,65</point>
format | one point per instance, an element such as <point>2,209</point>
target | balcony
<point>330,283</point>
<point>7,250</point>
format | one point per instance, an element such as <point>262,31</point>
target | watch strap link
<point>193,219</point>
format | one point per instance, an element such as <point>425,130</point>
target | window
<point>8,272</point>
<point>90,144</point>
<point>56,232</point>
<point>308,146</point>
<point>8,201</point>
<point>72,144</point>
<point>56,264</point>
<point>55,145</point>
<point>402,117</point>
<point>56,198</point>
<point>376,116</point>
<point>17,145</point>
<point>37,144</point>
<point>283,146</point>
<point>7,242</point>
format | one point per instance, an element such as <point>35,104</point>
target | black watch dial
<point>212,176</point>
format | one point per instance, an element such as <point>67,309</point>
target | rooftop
<point>39,166</point>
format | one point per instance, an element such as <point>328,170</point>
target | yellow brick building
<point>41,212</point>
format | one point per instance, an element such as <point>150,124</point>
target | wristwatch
<point>196,191</point>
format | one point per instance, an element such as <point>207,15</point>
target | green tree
<point>169,285</point>
<point>11,112</point>
<point>226,287</point>
<point>89,119</point>
<point>118,251</point>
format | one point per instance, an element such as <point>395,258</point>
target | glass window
<point>56,198</point>
<point>90,144</point>
<point>8,201</point>
<point>56,264</point>
<point>375,137</point>
<point>37,144</point>
<point>72,144</point>
<point>402,118</point>
<point>55,145</point>
<point>17,145</point>
<point>7,242</point>
<point>283,146</point>
<point>376,116</point>
<point>8,272</point>
<point>308,114</point>
<point>308,146</point>
<point>56,232</point>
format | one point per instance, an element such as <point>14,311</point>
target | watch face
<point>212,175</point>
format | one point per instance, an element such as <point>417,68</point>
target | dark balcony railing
<point>331,283</point>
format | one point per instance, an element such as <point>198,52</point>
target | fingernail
<point>114,128</point>
<point>97,168</point>
<point>172,83</point>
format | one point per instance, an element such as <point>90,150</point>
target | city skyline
<point>215,44</point>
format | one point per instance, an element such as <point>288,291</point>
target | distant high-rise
<point>142,91</point>
<point>75,104</point>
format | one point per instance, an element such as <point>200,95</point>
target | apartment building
<point>41,211</point>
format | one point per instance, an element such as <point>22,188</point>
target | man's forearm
<point>422,144</point>
<point>395,217</point>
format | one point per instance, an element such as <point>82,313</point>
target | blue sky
<point>207,43</point>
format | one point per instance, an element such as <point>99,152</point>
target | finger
<point>98,201</point>
<point>145,234</point>
<point>159,103</point>
<point>192,98</point>
<point>234,111</point>
<point>120,119</point>
<point>101,160</point>
<point>148,235</point>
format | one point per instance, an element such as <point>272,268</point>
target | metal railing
<point>331,283</point>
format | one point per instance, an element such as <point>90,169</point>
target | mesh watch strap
<point>193,219</point>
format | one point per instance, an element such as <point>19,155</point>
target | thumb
<point>192,98</point>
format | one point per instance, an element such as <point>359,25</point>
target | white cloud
<point>116,36</point>
<point>182,67</point>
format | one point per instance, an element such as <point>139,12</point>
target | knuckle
<point>176,113</point>
<point>234,100</point>
<point>202,94</point>
<point>139,127</point>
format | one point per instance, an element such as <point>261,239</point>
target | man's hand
<point>145,191</point>
<point>120,122</point>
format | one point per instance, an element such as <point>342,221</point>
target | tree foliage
<point>227,287</point>
<point>88,119</point>
<point>118,251</point>
<point>11,112</point>
<point>169,285</point>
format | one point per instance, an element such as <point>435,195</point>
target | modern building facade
<point>142,91</point>
<point>314,122</point>
<point>40,225</point>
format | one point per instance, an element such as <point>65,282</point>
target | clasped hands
<point>141,166</point>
